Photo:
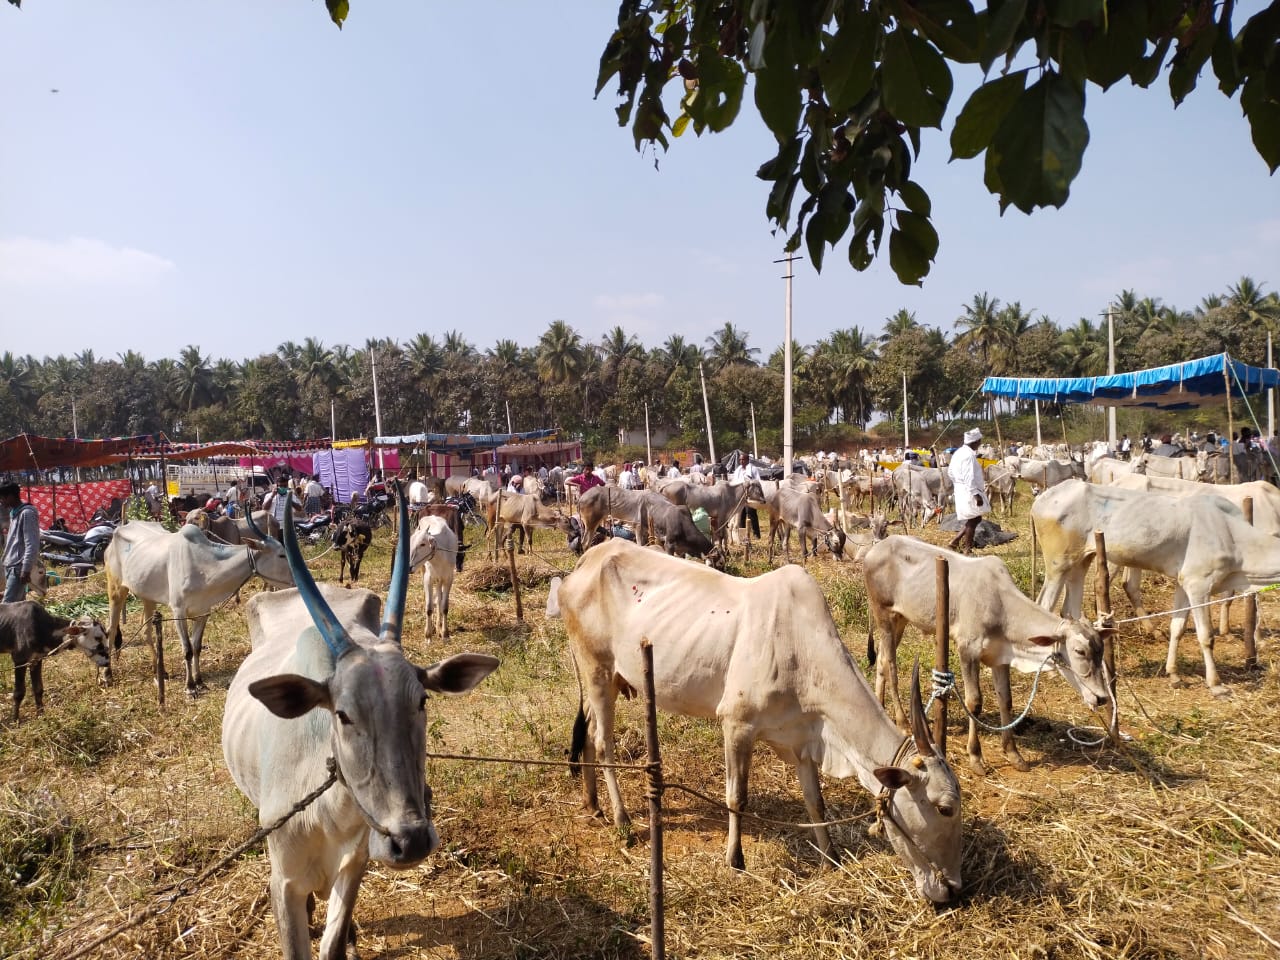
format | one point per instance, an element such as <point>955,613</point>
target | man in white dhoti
<point>970,490</point>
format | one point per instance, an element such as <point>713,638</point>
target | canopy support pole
<point>1039,441</point>
<point>1231,428</point>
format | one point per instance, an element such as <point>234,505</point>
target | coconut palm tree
<point>193,378</point>
<point>560,354</point>
<point>728,346</point>
<point>980,326</point>
<point>1083,349</point>
<point>901,322</point>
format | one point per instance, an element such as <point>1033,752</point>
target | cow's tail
<point>578,742</point>
<point>871,644</point>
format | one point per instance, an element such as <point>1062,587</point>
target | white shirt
<point>627,479</point>
<point>673,473</point>
<point>966,474</point>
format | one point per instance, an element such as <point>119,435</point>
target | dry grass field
<point>1167,847</point>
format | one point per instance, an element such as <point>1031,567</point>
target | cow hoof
<point>1016,761</point>
<point>1221,691</point>
<point>736,860</point>
<point>978,767</point>
<point>1176,682</point>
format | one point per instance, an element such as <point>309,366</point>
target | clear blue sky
<point>238,175</point>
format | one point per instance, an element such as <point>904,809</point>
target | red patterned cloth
<point>76,501</point>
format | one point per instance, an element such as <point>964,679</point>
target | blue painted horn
<point>334,634</point>
<point>248,515</point>
<point>397,593</point>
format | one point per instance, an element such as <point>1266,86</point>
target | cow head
<point>919,809</point>
<point>268,555</point>
<point>378,702</point>
<point>90,638</point>
<point>1078,645</point>
<point>835,541</point>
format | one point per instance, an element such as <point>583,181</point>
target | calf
<point>435,544</point>
<point>29,633</point>
<point>351,537</point>
<point>992,623</point>
<point>451,513</point>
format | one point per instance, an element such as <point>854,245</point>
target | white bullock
<point>992,624</point>
<point>435,544</point>
<point>1203,542</point>
<point>1266,517</point>
<point>323,682</point>
<point>764,658</point>
<point>187,573</point>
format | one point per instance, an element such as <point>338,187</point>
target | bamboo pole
<point>1102,597</point>
<point>942,649</point>
<point>1033,559</point>
<point>1250,627</point>
<point>657,910</point>
<point>1231,430</point>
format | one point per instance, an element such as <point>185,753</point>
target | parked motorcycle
<point>68,549</point>
<point>313,529</point>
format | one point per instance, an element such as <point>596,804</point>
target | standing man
<point>314,496</point>
<point>232,499</point>
<point>275,501</point>
<point>22,546</point>
<point>743,472</point>
<point>970,490</point>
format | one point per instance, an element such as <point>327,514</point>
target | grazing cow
<point>523,512</point>
<point>1203,542</point>
<point>351,538</point>
<point>791,509</point>
<point>920,491</point>
<point>29,633</point>
<point>723,501</point>
<point>992,623</point>
<point>322,648</point>
<point>187,573</point>
<point>764,657</point>
<point>435,544</point>
<point>646,511</point>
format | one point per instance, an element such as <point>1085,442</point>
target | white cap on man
<point>972,436</point>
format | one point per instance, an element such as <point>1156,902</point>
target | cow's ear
<point>893,777</point>
<point>459,673</point>
<point>1043,641</point>
<point>289,695</point>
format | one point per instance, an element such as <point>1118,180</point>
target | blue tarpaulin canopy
<point>1178,386</point>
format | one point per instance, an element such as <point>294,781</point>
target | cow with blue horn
<point>326,688</point>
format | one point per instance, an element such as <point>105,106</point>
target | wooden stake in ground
<point>657,912</point>
<point>515,577</point>
<point>1102,597</point>
<point>158,626</point>
<point>942,650</point>
<point>1250,627</point>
